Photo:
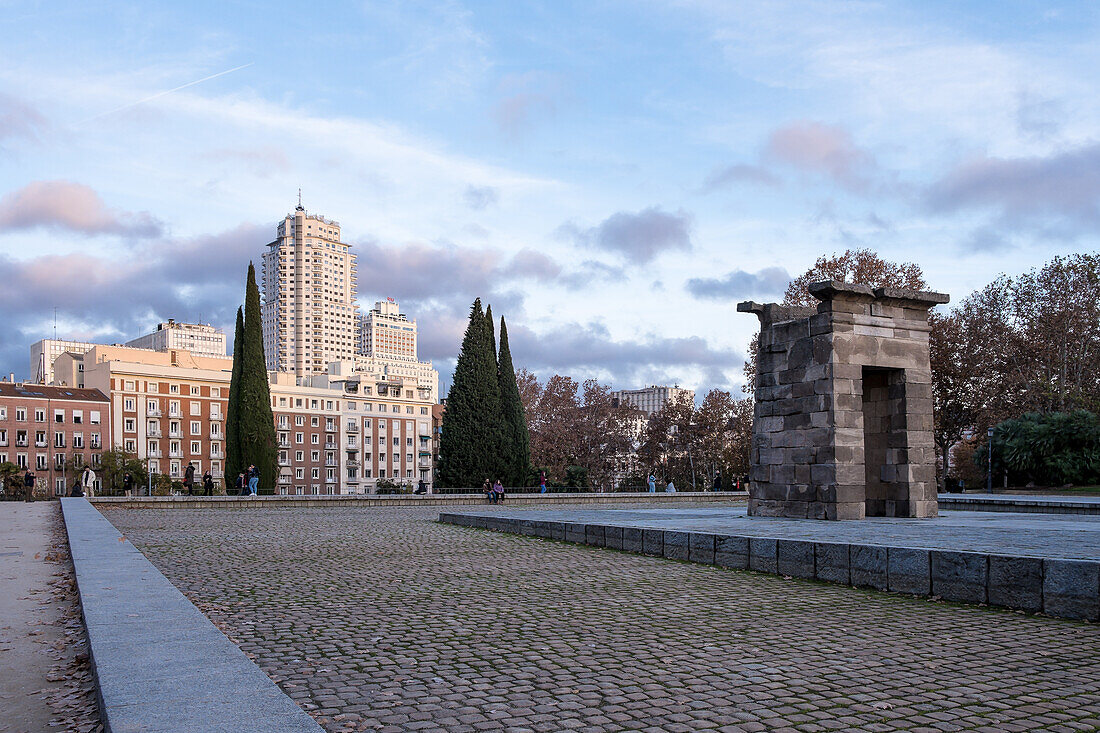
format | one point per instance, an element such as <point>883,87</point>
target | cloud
<point>739,173</point>
<point>532,264</point>
<point>1063,187</point>
<point>588,350</point>
<point>526,97</point>
<point>637,238</point>
<point>480,197</point>
<point>823,149</point>
<point>738,284</point>
<point>72,206</point>
<point>18,119</point>
<point>265,162</point>
<point>113,300</point>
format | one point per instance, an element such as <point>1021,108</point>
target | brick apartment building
<point>54,431</point>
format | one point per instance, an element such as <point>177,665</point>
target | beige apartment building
<point>46,351</point>
<point>167,408</point>
<point>650,399</point>
<point>388,348</point>
<point>198,338</point>
<point>310,316</point>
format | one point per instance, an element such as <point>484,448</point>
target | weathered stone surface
<point>731,552</point>
<point>852,375</point>
<point>831,562</point>
<point>632,539</point>
<point>676,545</point>
<point>869,566</point>
<point>701,548</point>
<point>795,558</point>
<point>594,535</point>
<point>653,542</point>
<point>959,576</point>
<point>1071,588</point>
<point>909,571</point>
<point>1016,582</point>
<point>613,537</point>
<point>762,554</point>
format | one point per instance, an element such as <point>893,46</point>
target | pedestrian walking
<point>671,488</point>
<point>28,485</point>
<point>240,484</point>
<point>207,484</point>
<point>717,486</point>
<point>489,493</point>
<point>542,482</point>
<point>498,489</point>
<point>253,480</point>
<point>189,479</point>
<point>128,483</point>
<point>87,480</point>
<point>652,483</point>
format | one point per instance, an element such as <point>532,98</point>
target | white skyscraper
<point>310,317</point>
<point>388,347</point>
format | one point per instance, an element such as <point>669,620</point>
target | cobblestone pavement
<point>382,619</point>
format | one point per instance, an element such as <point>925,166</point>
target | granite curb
<point>144,637</point>
<point>1060,588</point>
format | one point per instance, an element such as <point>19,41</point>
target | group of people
<point>189,481</point>
<point>248,483</point>
<point>493,492</point>
<point>651,482</point>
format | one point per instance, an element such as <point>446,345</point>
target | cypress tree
<point>492,332</point>
<point>517,443</point>
<point>257,423</point>
<point>470,445</point>
<point>232,415</point>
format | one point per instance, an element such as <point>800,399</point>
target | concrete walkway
<point>33,642</point>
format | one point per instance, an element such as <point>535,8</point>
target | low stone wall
<point>237,502</point>
<point>1019,504</point>
<point>160,665</point>
<point>1062,588</point>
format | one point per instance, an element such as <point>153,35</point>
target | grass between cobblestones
<point>383,619</point>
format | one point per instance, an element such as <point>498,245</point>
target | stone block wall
<point>843,417</point>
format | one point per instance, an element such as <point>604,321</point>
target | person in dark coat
<point>421,488</point>
<point>717,482</point>
<point>207,484</point>
<point>240,484</point>
<point>253,480</point>
<point>28,486</point>
<point>189,479</point>
<point>128,483</point>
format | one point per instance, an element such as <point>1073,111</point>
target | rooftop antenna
<point>300,207</point>
<point>55,323</point>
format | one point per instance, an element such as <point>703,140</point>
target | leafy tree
<point>11,479</point>
<point>1048,449</point>
<point>255,419</point>
<point>471,444</point>
<point>113,466</point>
<point>517,444</point>
<point>233,465</point>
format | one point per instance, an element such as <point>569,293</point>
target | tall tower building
<point>387,332</point>
<point>309,312</point>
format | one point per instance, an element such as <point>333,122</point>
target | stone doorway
<point>883,439</point>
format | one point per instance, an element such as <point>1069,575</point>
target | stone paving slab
<point>382,619</point>
<point>1021,503</point>
<point>160,665</point>
<point>1034,562</point>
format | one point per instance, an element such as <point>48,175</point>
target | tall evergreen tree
<point>233,414</point>
<point>516,451</point>
<point>257,423</point>
<point>492,330</point>
<point>470,445</point>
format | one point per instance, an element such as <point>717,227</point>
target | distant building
<point>388,348</point>
<point>45,352</point>
<point>198,338</point>
<point>53,431</point>
<point>649,400</point>
<point>310,316</point>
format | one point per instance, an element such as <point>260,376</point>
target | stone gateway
<point>842,427</point>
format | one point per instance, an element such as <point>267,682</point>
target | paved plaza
<point>383,619</point>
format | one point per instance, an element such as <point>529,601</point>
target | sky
<point>613,177</point>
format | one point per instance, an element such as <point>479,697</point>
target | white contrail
<point>158,95</point>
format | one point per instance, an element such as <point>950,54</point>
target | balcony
<point>353,427</point>
<point>154,454</point>
<point>40,444</point>
<point>284,479</point>
<point>284,443</point>
<point>331,462</point>
<point>331,446</point>
<point>217,454</point>
<point>175,413</point>
<point>175,433</point>
<point>175,454</point>
<point>20,443</point>
<point>284,461</point>
<point>332,481</point>
<point>154,412</point>
<point>352,462</point>
<point>153,432</point>
<point>351,448</point>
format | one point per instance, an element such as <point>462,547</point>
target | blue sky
<point>613,177</point>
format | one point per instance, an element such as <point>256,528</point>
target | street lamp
<point>989,468</point>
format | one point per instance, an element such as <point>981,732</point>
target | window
<point>351,406</point>
<point>328,404</point>
<point>129,425</point>
<point>408,458</point>
<point>40,439</point>
<point>366,424</point>
<point>408,441</point>
<point>196,448</point>
<point>151,387</point>
<point>78,440</point>
<point>59,486</point>
<point>397,408</point>
<point>299,473</point>
<point>381,473</point>
<point>408,409</point>
<point>129,445</point>
<point>59,440</point>
<point>315,473</point>
<point>21,415</point>
<point>96,460</point>
<point>94,440</point>
<point>423,410</point>
<point>366,407</point>
<point>196,408</point>
<point>313,405</point>
<point>58,416</point>
<point>78,460</point>
<point>299,437</point>
<point>282,402</point>
<point>299,420</point>
<point>154,448</point>
<point>174,388</point>
<point>174,408</point>
<point>196,427</point>
<point>40,416</point>
<point>315,438</point>
<point>21,459</point>
<point>215,391</point>
<point>128,385</point>
<point>195,391</point>
<point>215,430</point>
<point>40,462</point>
<point>78,417</point>
<point>3,416</point>
<point>313,421</point>
<point>396,441</point>
<point>299,456</point>
<point>315,455</point>
<point>3,441</point>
